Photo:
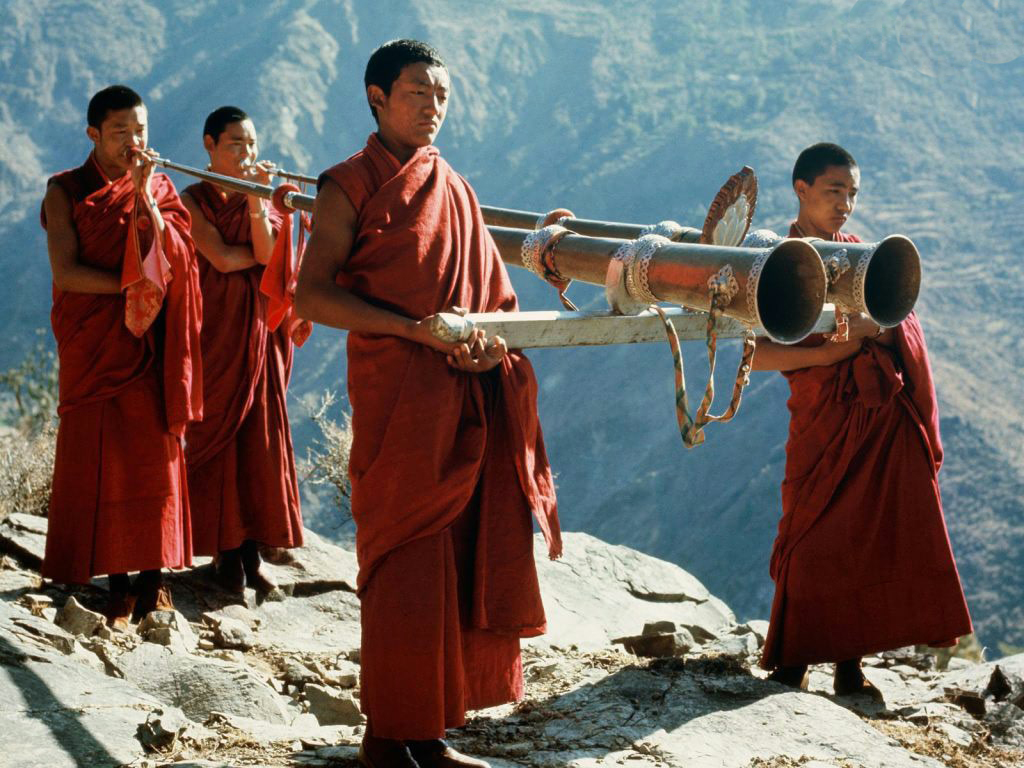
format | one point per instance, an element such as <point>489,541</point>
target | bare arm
<point>223,257</point>
<point>771,356</point>
<point>320,299</point>
<point>62,243</point>
<point>262,233</point>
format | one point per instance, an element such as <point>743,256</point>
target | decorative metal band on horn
<point>723,287</point>
<point>860,274</point>
<point>638,284</point>
<point>538,257</point>
<point>753,281</point>
<point>673,230</point>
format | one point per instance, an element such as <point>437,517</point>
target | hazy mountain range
<point>632,111</point>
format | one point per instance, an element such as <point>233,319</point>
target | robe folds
<point>862,562</point>
<point>120,496</point>
<point>241,465</point>
<point>446,466</point>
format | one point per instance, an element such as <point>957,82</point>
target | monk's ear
<point>208,142</point>
<point>800,187</point>
<point>93,134</point>
<point>376,96</point>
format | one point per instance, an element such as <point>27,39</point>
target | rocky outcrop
<point>641,667</point>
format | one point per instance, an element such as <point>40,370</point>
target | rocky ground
<point>641,667</point>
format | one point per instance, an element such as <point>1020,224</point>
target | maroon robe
<point>862,562</point>
<point>446,466</point>
<point>241,465</point>
<point>130,381</point>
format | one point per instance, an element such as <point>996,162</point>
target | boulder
<point>168,628</point>
<point>200,686</point>
<point>78,620</point>
<point>333,706</point>
<point>597,591</point>
<point>24,536</point>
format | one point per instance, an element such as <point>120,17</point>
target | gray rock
<point>77,620</point>
<point>37,604</point>
<point>56,712</point>
<point>162,731</point>
<point>659,645</point>
<point>49,633</point>
<point>597,592</point>
<point>232,633</point>
<point>200,686</point>
<point>332,706</point>
<point>736,646</point>
<point>168,628</point>
<point>299,674</point>
<point>316,567</point>
<point>232,611</point>
<point>24,536</point>
<point>308,626</point>
<point>759,627</point>
<point>343,673</point>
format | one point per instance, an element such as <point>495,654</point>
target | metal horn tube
<point>881,279</point>
<point>509,217</point>
<point>781,288</point>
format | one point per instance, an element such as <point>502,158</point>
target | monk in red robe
<point>862,562</point>
<point>448,461</point>
<point>241,467</point>
<point>126,316</point>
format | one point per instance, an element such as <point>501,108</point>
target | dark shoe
<point>437,753</point>
<point>849,680</point>
<point>256,576</point>
<point>229,572</point>
<point>120,607</point>
<point>794,677</point>
<point>384,753</point>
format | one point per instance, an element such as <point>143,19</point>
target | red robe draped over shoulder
<point>120,498</point>
<point>446,466</point>
<point>862,562</point>
<point>241,465</point>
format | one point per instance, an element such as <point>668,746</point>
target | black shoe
<point>384,753</point>
<point>794,677</point>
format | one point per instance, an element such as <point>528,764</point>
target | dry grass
<point>26,470</point>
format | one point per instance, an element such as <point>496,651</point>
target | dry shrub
<point>326,462</point>
<point>26,470</point>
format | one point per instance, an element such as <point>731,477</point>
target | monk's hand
<point>862,327</point>
<point>260,172</point>
<point>142,171</point>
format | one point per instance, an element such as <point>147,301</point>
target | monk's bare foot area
<point>119,610</point>
<point>850,681</point>
<point>151,594</point>
<point>229,573</point>
<point>437,753</point>
<point>384,753</point>
<point>258,576</point>
<point>794,677</point>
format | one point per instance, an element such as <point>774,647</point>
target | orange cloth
<point>241,464</point>
<point>443,463</point>
<point>862,562</point>
<point>120,499</point>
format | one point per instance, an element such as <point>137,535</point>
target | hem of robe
<point>422,668</point>
<point>96,525</point>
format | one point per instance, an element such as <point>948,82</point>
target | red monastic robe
<point>446,466</point>
<point>120,498</point>
<point>241,465</point>
<point>862,562</point>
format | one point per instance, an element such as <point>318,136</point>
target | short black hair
<point>813,161</point>
<point>387,62</point>
<point>111,99</point>
<point>220,119</point>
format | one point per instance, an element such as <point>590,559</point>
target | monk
<point>241,467</point>
<point>126,316</point>
<point>862,562</point>
<point>447,460</point>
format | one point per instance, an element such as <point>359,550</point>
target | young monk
<point>448,460</point>
<point>126,316</point>
<point>862,562</point>
<point>241,467</point>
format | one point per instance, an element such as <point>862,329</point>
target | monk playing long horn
<point>126,315</point>
<point>862,562</point>
<point>447,461</point>
<point>241,466</point>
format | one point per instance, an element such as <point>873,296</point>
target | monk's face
<point>411,115</point>
<point>234,150</point>
<point>120,132</point>
<point>829,201</point>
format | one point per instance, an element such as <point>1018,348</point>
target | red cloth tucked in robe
<point>862,562</point>
<point>120,499</point>
<point>446,466</point>
<point>241,465</point>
